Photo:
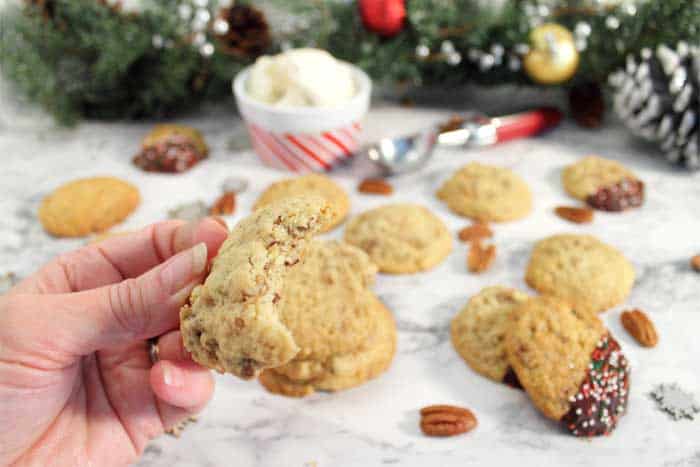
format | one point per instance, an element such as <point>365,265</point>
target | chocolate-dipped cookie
<point>569,364</point>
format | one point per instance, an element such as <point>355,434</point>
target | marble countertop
<point>377,423</point>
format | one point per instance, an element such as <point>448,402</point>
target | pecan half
<point>476,231</point>
<point>375,186</point>
<point>225,205</point>
<point>480,258</point>
<point>575,214</point>
<point>446,420</point>
<point>640,327</point>
<point>695,263</point>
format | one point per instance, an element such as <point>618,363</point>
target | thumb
<point>134,309</point>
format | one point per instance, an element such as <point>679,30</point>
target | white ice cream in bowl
<point>303,108</point>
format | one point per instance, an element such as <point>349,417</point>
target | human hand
<point>77,384</point>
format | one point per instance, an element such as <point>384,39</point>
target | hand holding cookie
<point>76,369</point>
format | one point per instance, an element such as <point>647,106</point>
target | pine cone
<point>248,33</point>
<point>657,97</point>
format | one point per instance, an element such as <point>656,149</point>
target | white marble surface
<point>378,423</point>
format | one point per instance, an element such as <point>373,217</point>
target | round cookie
<point>400,238</point>
<point>311,184</point>
<point>232,322</point>
<point>345,334</point>
<point>302,378</point>
<point>581,270</point>
<point>603,184</point>
<point>569,364</point>
<point>87,206</point>
<point>486,193</point>
<point>478,330</point>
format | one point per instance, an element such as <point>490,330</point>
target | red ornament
<point>385,17</point>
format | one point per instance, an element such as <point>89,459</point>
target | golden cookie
<point>232,323</point>
<point>487,193</point>
<point>303,377</point>
<point>400,238</point>
<point>311,184</point>
<point>603,184</point>
<point>478,330</point>
<point>581,270</point>
<point>590,173</point>
<point>168,131</point>
<point>568,363</point>
<point>344,333</point>
<point>88,205</point>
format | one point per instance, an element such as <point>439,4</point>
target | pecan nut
<point>375,186</point>
<point>446,420</point>
<point>575,214</point>
<point>476,231</point>
<point>480,258</point>
<point>695,263</point>
<point>640,327</point>
<point>225,205</point>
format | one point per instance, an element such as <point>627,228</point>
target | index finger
<point>123,257</point>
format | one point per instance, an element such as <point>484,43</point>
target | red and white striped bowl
<point>304,139</point>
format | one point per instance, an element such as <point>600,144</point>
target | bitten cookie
<point>400,238</point>
<point>345,334</point>
<point>569,364</point>
<point>311,184</point>
<point>87,206</point>
<point>603,184</point>
<point>487,193</point>
<point>580,269</point>
<point>478,330</point>
<point>232,323</point>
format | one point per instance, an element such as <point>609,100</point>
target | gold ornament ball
<point>553,57</point>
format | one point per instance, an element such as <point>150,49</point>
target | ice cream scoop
<point>408,153</point>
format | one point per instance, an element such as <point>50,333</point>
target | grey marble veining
<point>377,424</point>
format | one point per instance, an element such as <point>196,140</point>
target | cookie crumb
<point>180,426</point>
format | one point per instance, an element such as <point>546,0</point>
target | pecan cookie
<point>311,184</point>
<point>487,193</point>
<point>400,238</point>
<point>604,184</point>
<point>89,205</point>
<point>345,334</point>
<point>569,364</point>
<point>580,269</point>
<point>232,323</point>
<point>478,330</point>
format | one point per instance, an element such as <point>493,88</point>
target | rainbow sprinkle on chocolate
<point>602,397</point>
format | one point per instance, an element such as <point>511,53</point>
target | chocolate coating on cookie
<point>602,397</point>
<point>625,194</point>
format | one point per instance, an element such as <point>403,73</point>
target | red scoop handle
<point>526,124</point>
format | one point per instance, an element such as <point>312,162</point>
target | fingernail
<point>172,376</point>
<point>199,258</point>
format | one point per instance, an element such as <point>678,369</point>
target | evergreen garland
<point>85,58</point>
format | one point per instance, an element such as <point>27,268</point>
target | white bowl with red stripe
<point>304,139</point>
